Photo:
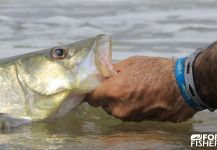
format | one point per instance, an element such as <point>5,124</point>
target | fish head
<point>55,80</point>
<point>77,67</point>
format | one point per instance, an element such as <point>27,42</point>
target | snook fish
<point>51,82</point>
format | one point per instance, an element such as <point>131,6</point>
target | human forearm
<point>205,75</point>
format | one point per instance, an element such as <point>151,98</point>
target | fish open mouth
<point>103,57</point>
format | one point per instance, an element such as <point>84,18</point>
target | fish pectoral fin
<point>68,105</point>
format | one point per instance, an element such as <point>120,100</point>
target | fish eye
<point>58,53</point>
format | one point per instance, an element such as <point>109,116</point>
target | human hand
<point>144,88</point>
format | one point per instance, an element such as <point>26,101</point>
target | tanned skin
<point>145,88</point>
<point>205,74</point>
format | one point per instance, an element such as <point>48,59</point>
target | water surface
<point>163,28</point>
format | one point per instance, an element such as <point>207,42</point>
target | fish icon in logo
<point>196,137</point>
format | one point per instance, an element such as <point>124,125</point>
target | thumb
<point>98,96</point>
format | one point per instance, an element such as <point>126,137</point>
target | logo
<point>204,140</point>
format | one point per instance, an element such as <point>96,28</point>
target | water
<point>138,27</point>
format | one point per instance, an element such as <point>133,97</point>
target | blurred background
<point>162,28</point>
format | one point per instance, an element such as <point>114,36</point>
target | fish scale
<point>11,94</point>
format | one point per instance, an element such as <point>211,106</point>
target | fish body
<point>51,82</point>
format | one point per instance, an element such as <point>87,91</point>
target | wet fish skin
<point>37,86</point>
